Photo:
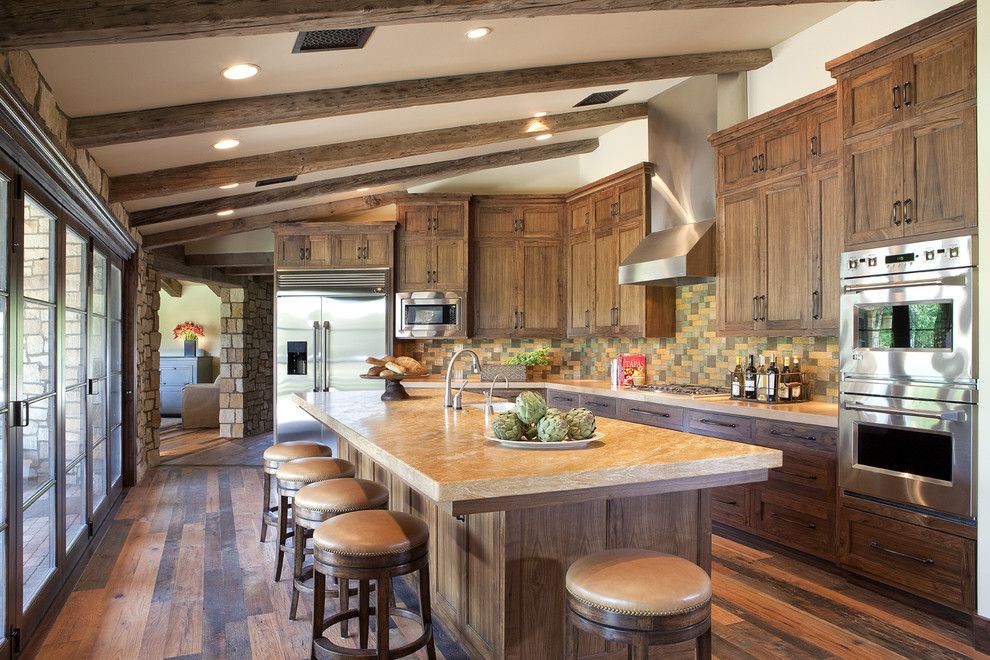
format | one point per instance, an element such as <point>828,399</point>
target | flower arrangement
<point>188,331</point>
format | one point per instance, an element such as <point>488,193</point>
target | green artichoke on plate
<point>530,407</point>
<point>552,428</point>
<point>581,423</point>
<point>508,427</point>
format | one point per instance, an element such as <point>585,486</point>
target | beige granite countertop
<point>444,455</point>
<point>816,413</point>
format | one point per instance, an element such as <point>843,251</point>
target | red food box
<point>631,368</point>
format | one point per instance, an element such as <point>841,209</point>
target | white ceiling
<point>114,78</point>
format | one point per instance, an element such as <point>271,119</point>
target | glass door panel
<point>98,380</point>
<point>116,373</point>
<point>4,338</point>
<point>74,378</point>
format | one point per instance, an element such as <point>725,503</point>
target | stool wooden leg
<point>344,600</point>
<point>283,534</point>
<point>383,590</point>
<point>705,646</point>
<point>639,651</point>
<point>570,639</point>
<point>319,604</point>
<point>426,610</point>
<point>298,552</point>
<point>266,494</point>
<point>362,614</point>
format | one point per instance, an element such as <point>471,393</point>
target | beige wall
<point>198,305</point>
<point>983,453</point>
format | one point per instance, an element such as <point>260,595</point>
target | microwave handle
<point>948,416</point>
<point>316,356</point>
<point>938,281</point>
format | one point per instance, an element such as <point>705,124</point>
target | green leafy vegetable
<point>532,358</point>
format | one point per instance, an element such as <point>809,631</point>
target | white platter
<point>536,444</point>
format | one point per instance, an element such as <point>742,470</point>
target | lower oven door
<point>911,451</point>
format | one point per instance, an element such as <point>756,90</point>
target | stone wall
<point>246,360</point>
<point>146,395</point>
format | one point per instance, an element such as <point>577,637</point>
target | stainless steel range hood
<point>684,254</point>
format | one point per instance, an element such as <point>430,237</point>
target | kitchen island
<point>506,523</point>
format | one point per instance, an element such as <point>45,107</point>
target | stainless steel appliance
<point>907,402</point>
<point>326,324</point>
<point>425,314</point>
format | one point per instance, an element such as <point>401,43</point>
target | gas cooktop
<point>685,390</point>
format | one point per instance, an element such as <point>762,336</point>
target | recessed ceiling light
<point>545,136</point>
<point>226,143</point>
<point>541,114</point>
<point>362,189</point>
<point>241,71</point>
<point>537,126</point>
<point>479,32</point>
<point>229,186</point>
<point>226,212</point>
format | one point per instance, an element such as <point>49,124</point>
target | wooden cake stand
<point>394,391</point>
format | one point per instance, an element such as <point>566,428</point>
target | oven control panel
<point>910,258</point>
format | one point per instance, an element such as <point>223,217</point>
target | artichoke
<point>554,411</point>
<point>581,423</point>
<point>530,407</point>
<point>508,427</point>
<point>552,428</point>
<point>530,432</point>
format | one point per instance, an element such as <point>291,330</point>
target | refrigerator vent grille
<point>371,280</point>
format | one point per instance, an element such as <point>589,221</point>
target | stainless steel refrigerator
<point>326,324</point>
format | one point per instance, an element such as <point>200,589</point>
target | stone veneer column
<point>246,360</point>
<point>149,340</point>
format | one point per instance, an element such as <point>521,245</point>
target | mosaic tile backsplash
<point>694,355</point>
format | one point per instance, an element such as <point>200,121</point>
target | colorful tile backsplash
<point>694,355</point>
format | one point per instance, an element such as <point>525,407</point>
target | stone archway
<point>246,359</point>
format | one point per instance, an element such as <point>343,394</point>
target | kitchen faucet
<point>475,369</point>
<point>489,396</point>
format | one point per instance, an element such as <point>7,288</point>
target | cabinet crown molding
<point>761,122</point>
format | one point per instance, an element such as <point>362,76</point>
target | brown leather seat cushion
<point>341,496</point>
<point>288,451</point>
<point>315,468</point>
<point>638,582</point>
<point>371,533</point>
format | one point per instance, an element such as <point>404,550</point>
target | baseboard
<point>981,634</point>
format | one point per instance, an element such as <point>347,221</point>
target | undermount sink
<point>498,406</point>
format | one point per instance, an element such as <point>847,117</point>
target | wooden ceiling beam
<point>171,286</point>
<point>397,176</point>
<point>231,259</point>
<point>231,114</point>
<point>46,24</point>
<point>170,267</point>
<point>333,156</point>
<point>265,220</point>
<point>247,270</point>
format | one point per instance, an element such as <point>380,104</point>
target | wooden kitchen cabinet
<point>517,217</point>
<point>432,244</point>
<point>872,179</point>
<point>338,245</point>
<point>827,229</point>
<point>738,258</point>
<point>784,291</point>
<point>824,138</point>
<point>581,284</point>
<point>365,250</point>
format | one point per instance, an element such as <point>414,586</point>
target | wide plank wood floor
<point>181,574</point>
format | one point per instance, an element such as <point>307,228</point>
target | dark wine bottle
<point>738,380</point>
<point>761,380</point>
<point>772,379</point>
<point>750,382</point>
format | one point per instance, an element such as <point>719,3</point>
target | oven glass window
<point>430,314</point>
<point>914,451</point>
<point>923,325</point>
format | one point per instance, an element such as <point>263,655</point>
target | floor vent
<point>273,181</point>
<point>598,98</point>
<point>315,41</point>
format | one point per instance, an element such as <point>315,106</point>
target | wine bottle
<point>784,390</point>
<point>772,380</point>
<point>737,379</point>
<point>750,382</point>
<point>761,380</point>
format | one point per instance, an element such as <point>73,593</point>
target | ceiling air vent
<point>598,98</point>
<point>316,41</point>
<point>273,181</point>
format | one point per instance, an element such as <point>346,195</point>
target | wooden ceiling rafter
<point>223,259</point>
<point>171,286</point>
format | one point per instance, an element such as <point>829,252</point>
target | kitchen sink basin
<point>498,406</point>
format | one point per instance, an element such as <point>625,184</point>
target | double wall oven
<point>907,403</point>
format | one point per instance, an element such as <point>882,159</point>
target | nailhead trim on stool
<point>273,457</point>
<point>364,546</point>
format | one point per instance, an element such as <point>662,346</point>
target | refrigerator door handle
<point>326,356</point>
<point>316,359</point>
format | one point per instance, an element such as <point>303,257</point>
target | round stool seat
<point>372,533</point>
<point>338,496</point>
<point>638,583</point>
<point>314,468</point>
<point>290,451</point>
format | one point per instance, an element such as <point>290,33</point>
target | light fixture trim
<point>226,143</point>
<point>241,71</point>
<point>225,212</point>
<point>229,186</point>
<point>479,32</point>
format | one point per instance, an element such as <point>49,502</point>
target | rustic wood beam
<point>171,286</point>
<point>46,24</point>
<point>248,270</point>
<point>265,220</point>
<point>169,266</point>
<point>230,114</point>
<point>333,156</point>
<point>231,259</point>
<point>216,289</point>
<point>397,176</point>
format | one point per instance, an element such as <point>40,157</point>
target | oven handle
<point>957,280</point>
<point>948,416</point>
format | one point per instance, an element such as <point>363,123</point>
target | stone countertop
<point>815,413</point>
<point>443,454</point>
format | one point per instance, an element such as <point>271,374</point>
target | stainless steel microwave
<point>426,314</point>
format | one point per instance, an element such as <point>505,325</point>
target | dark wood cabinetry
<point>338,245</point>
<point>432,253</point>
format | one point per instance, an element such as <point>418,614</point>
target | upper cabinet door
<point>783,150</point>
<point>348,250</point>
<point>541,293</point>
<point>449,267</point>
<point>293,250</point>
<point>738,260</point>
<point>940,173</point>
<point>827,231</point>
<point>738,163</point>
<point>417,219</point>
<point>495,222</point>
<point>606,282</point>
<point>580,286</point>
<point>631,199</point>
<point>449,220</point>
<point>496,312</point>
<point>941,75</point>
<point>378,249</point>
<point>786,303</point>
<point>872,99</point>
<point>416,265</point>
<point>605,207</point>
<point>540,221</point>
<point>872,174</point>
<point>631,297</point>
<point>580,216</point>
<point>824,138</point>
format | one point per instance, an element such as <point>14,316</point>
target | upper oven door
<point>908,450</point>
<point>914,326</point>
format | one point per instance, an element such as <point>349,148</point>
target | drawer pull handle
<point>649,412</point>
<point>927,561</point>
<point>715,422</point>
<point>721,501</point>
<point>796,436</point>
<point>792,521</point>
<point>810,477</point>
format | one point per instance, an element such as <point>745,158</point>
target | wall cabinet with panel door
<point>302,250</point>
<point>432,244</point>
<point>364,250</point>
<point>337,245</point>
<point>908,110</point>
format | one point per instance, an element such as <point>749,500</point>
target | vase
<point>189,348</point>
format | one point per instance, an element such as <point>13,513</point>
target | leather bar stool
<point>292,476</point>
<point>364,546</point>
<point>273,457</point>
<point>639,598</point>
<point>318,502</point>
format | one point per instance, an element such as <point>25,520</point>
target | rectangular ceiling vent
<point>316,41</point>
<point>598,98</point>
<point>273,181</point>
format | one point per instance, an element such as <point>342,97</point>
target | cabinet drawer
<point>781,435</point>
<point>730,505</point>
<point>177,376</point>
<point>715,425</point>
<point>603,406</point>
<point>563,400</point>
<point>923,561</point>
<point>807,474</point>
<point>651,414</point>
<point>796,522</point>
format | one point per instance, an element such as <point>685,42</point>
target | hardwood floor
<point>181,574</point>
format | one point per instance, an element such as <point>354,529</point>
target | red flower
<point>188,331</point>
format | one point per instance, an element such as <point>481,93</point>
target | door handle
<point>309,254</point>
<point>809,477</point>
<point>326,356</point>
<point>587,318</point>
<point>895,95</point>
<point>640,411</point>
<point>316,356</point>
<point>907,211</point>
<point>20,413</point>
<point>814,145</point>
<point>907,93</point>
<point>754,308</point>
<point>763,162</point>
<point>522,320</point>
<point>515,320</point>
<point>434,277</point>
<point>715,422</point>
<point>952,280</point>
<point>948,416</point>
<point>359,252</point>
<point>792,521</point>
<point>302,254</point>
<point>795,436</point>
<point>927,561</point>
<point>895,214</point>
<point>815,305</point>
<point>756,164</point>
